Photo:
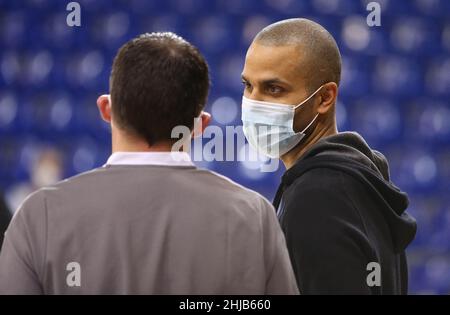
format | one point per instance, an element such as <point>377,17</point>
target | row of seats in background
<point>394,91</point>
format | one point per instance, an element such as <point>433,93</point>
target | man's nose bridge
<point>256,95</point>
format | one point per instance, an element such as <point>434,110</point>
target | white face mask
<point>269,127</point>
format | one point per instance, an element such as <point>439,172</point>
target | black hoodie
<point>340,212</point>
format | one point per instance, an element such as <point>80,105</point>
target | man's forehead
<point>270,62</point>
<point>265,54</point>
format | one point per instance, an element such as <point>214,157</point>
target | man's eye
<point>274,89</point>
<point>246,84</point>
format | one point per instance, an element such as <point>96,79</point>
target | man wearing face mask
<point>345,222</point>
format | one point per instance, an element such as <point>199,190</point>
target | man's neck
<point>292,156</point>
<point>122,142</point>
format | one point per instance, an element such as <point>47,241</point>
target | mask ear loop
<point>309,97</point>
<point>303,131</point>
<point>317,115</point>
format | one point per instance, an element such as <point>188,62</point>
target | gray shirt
<point>145,229</point>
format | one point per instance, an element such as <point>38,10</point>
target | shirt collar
<point>150,158</point>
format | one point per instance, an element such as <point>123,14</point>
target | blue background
<point>395,90</point>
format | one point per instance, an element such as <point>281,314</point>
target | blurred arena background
<point>395,92</point>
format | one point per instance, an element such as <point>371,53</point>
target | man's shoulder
<point>229,187</point>
<point>78,178</point>
<point>192,182</point>
<point>321,192</point>
<point>220,181</point>
<point>322,179</point>
<point>37,199</point>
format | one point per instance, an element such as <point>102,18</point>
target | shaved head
<point>295,62</point>
<point>319,59</point>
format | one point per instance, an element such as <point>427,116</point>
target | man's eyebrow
<point>267,81</point>
<point>272,81</point>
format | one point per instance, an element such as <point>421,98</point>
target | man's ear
<point>206,119</point>
<point>201,124</point>
<point>328,96</point>
<point>104,107</point>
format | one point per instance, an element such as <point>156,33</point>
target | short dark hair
<point>158,81</point>
<point>322,62</point>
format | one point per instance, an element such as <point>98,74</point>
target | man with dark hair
<point>148,221</point>
<point>159,69</point>
<point>345,222</point>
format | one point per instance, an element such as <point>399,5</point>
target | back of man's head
<point>158,81</point>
